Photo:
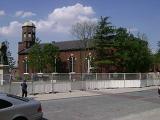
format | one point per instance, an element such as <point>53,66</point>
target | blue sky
<point>54,18</point>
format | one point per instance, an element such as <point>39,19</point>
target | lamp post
<point>72,59</point>
<point>26,65</point>
<point>89,60</point>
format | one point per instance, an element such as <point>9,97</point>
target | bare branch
<point>83,30</point>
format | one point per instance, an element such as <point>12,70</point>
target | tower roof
<point>28,23</point>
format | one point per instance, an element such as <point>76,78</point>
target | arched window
<point>29,34</point>
<point>24,35</point>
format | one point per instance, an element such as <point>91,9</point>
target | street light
<point>26,65</point>
<point>89,60</point>
<point>72,59</point>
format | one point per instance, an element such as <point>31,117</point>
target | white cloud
<point>28,14</point>
<point>71,12</point>
<point>2,12</point>
<point>24,14</point>
<point>61,19</point>
<point>11,30</point>
<point>18,13</point>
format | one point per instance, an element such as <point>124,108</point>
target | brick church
<point>68,49</point>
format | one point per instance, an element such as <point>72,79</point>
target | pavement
<point>77,93</point>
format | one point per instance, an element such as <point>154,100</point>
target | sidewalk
<point>77,93</point>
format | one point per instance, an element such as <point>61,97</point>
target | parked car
<point>17,108</point>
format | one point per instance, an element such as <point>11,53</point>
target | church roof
<point>64,46</point>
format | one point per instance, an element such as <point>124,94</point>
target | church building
<point>72,54</point>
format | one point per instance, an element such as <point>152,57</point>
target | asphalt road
<point>143,105</point>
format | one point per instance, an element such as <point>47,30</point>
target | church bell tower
<point>28,34</point>
<point>28,40</point>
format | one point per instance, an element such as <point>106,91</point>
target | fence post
<point>53,81</point>
<point>124,75</point>
<point>70,77</point>
<point>96,77</point>
<point>147,79</point>
<point>10,79</point>
<point>32,81</point>
<point>1,79</point>
<point>140,77</point>
<point>43,83</point>
<point>40,75</point>
<point>147,76</point>
<point>82,84</point>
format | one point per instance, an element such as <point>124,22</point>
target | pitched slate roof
<point>64,45</point>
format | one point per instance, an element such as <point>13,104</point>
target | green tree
<point>50,53</point>
<point>42,57</point>
<point>132,54</point>
<point>158,44</point>
<point>120,51</point>
<point>156,62</point>
<point>156,59</point>
<point>104,44</point>
<point>139,56</point>
<point>36,58</point>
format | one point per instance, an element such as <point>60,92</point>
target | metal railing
<point>64,82</point>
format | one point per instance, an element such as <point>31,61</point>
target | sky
<point>54,18</point>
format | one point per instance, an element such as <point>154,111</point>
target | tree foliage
<point>36,58</point>
<point>50,53</point>
<point>104,43</point>
<point>41,58</point>
<point>156,59</point>
<point>132,52</point>
<point>119,51</point>
<point>83,30</point>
